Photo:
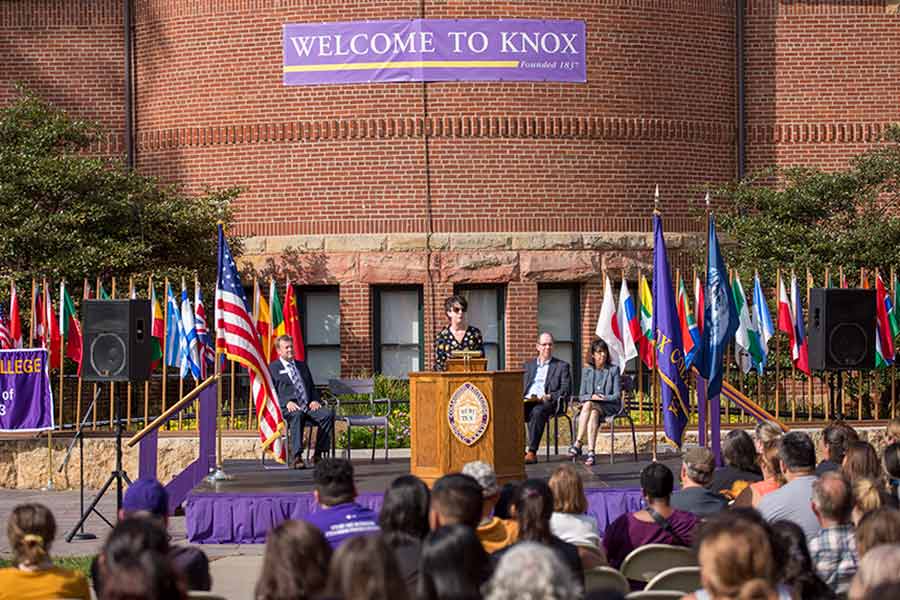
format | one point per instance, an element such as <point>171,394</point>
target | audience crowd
<point>771,523</point>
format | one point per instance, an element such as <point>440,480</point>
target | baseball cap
<point>484,474</point>
<point>146,495</point>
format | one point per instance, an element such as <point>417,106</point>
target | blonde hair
<point>568,490</point>
<point>768,433</point>
<point>768,458</point>
<point>880,565</point>
<point>31,529</point>
<point>867,495</point>
<point>893,429</point>
<point>736,561</point>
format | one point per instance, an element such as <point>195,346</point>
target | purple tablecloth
<point>246,518</point>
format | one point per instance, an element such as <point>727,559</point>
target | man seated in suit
<point>547,380</point>
<point>299,400</point>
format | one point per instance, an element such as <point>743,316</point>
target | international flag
<point>884,340</point>
<point>174,331</point>
<point>608,326</point>
<point>5,341</point>
<point>69,326</point>
<point>690,333</point>
<point>37,317</point>
<point>762,321</point>
<point>720,318</point>
<point>262,318</point>
<point>157,330</point>
<point>646,347</point>
<point>278,328</point>
<point>15,318</point>
<point>629,328</point>
<point>101,292</point>
<point>190,359</point>
<point>292,322</point>
<point>747,351</point>
<point>892,311</point>
<point>802,362</point>
<point>52,339</point>
<point>207,353</point>
<point>669,349</point>
<point>699,303</point>
<point>237,336</point>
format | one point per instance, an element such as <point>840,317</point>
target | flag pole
<point>147,383</point>
<point>809,389</point>
<point>777,349</point>
<point>48,344</point>
<point>79,390</point>
<point>862,284</point>
<point>165,342</point>
<point>180,372</point>
<point>893,291</point>
<point>62,357</point>
<point>640,365</point>
<point>761,371</point>
<point>655,362</point>
<point>129,389</point>
<point>219,474</point>
<point>791,351</point>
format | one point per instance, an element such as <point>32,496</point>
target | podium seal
<point>468,414</point>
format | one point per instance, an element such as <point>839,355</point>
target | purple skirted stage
<point>245,518</point>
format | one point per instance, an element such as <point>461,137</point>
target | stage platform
<point>242,510</point>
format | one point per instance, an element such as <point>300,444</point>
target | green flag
<point>747,349</point>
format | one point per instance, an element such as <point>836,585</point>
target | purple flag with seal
<point>26,401</point>
<point>434,50</point>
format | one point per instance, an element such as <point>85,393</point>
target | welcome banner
<point>26,402</point>
<point>434,50</point>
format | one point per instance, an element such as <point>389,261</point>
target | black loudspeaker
<point>117,340</point>
<point>841,329</point>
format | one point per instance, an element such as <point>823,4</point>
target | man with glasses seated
<point>457,335</point>
<point>547,381</point>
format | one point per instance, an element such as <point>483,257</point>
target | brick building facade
<point>519,194</point>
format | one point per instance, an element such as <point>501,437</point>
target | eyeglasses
<point>458,309</point>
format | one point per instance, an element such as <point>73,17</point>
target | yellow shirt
<point>43,584</point>
<point>497,533</point>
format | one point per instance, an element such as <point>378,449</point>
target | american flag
<point>237,337</point>
<point>5,342</point>
<point>207,352</point>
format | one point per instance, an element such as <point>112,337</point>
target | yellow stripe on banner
<point>409,64</point>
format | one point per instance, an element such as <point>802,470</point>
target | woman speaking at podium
<point>458,335</point>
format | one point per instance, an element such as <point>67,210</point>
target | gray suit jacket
<point>559,378</point>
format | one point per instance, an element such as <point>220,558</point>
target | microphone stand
<point>79,436</point>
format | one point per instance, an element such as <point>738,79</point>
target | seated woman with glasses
<point>600,395</point>
<point>457,335</point>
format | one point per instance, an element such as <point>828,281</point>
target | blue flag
<point>669,349</point>
<point>720,316</point>
<point>173,330</point>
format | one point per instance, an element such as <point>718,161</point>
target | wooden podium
<point>449,427</point>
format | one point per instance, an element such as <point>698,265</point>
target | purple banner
<point>26,402</point>
<point>434,50</point>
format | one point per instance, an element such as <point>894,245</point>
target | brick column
<point>521,322</point>
<point>356,329</point>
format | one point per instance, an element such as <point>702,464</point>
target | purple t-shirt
<point>627,533</point>
<point>343,521</point>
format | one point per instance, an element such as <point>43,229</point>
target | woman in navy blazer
<point>600,393</point>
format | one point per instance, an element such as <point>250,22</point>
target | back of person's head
<point>504,507</point>
<point>333,478</point>
<point>739,451</point>
<point>130,538</point>
<point>657,481</point>
<point>861,460</point>
<point>736,560</point>
<point>699,464</point>
<point>797,452</point>
<point>768,433</point>
<point>146,497</point>
<point>484,474</point>
<point>891,460</point>
<point>547,577</point>
<point>453,565</point>
<point>832,497</point>
<point>31,530</point>
<point>568,490</point>
<point>867,496</point>
<point>881,526</point>
<point>793,564</point>
<point>295,563</point>
<point>456,498</point>
<point>836,438</point>
<point>147,575</point>
<point>879,566</point>
<point>365,568</point>
<point>893,430</point>
<point>404,510</point>
<point>534,507</point>
<point>770,464</point>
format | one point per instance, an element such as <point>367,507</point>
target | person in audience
<point>457,335</point>
<point>767,433</point>
<point>878,567</point>
<point>881,526</point>
<point>495,533</point>
<point>697,468</point>
<point>741,468</point>
<point>147,575</point>
<point>548,578</point>
<point>867,496</point>
<point>341,516</point>
<point>295,563</point>
<point>892,431</point>
<point>547,385</point>
<point>861,460</point>
<point>890,460</point>
<point>833,549</point>
<point>404,524</point>
<point>736,561</point>
<point>570,521</point>
<point>31,529</point>
<point>659,523</point>
<point>454,565</point>
<point>601,395</point>
<point>364,568</point>
<point>534,507</point>
<point>455,499</point>
<point>836,438</point>
<point>129,539</point>
<point>504,507</point>
<point>791,501</point>
<point>795,568</point>
<point>772,478</point>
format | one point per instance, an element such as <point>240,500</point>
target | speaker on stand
<point>841,335</point>
<point>116,338</point>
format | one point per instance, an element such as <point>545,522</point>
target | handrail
<point>187,399</point>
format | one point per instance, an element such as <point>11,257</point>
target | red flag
<point>51,330</point>
<point>292,322</point>
<point>15,319</point>
<point>70,326</point>
<point>699,303</point>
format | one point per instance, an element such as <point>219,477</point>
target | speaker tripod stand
<point>835,391</point>
<point>117,476</point>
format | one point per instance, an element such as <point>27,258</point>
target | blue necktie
<point>294,374</point>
